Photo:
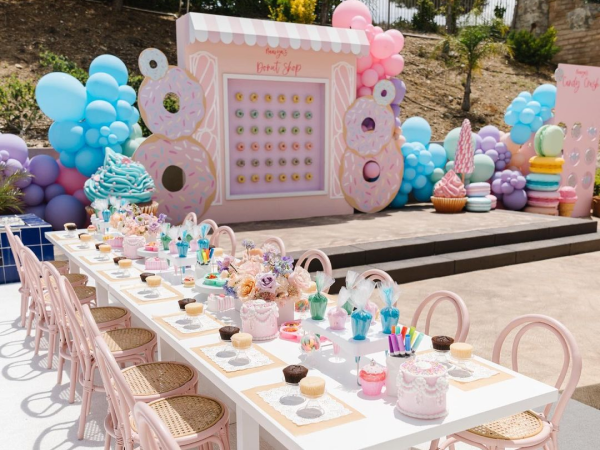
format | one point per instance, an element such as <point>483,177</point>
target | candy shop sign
<point>275,63</point>
<point>580,79</point>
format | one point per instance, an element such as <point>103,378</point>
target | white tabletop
<point>383,427</point>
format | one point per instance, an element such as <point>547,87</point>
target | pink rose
<point>300,278</point>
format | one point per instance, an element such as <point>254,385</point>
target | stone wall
<point>532,15</point>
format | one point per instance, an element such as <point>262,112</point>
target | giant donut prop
<point>372,196</point>
<point>368,127</point>
<point>191,103</point>
<point>198,192</point>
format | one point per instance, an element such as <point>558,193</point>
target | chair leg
<point>224,434</point>
<point>24,305</point>
<point>434,444</point>
<point>30,322</point>
<point>38,338</point>
<point>85,407</point>
<point>107,441</point>
<point>74,375</point>
<point>61,365</point>
<point>51,346</point>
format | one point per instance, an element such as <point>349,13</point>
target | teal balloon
<point>437,175</point>
<point>545,95</point>
<point>412,160</point>
<point>419,182</point>
<point>406,187</point>
<point>88,160</point>
<point>407,149</point>
<point>66,136</point>
<point>449,166</point>
<point>127,94</point>
<point>100,112</point>
<point>111,65</point>
<point>131,145</point>
<point>536,124</point>
<point>91,137</point>
<point>424,157</point>
<point>135,116</point>
<point>101,86</point>
<point>61,97</point>
<point>526,95</point>
<point>520,133</point>
<point>120,130</point>
<point>68,159</point>
<point>424,194</point>
<point>116,148</point>
<point>428,168</point>
<point>526,116</point>
<point>511,118</point>
<point>136,131</point>
<point>438,155</point>
<point>545,113</point>
<point>484,169</point>
<point>399,201</point>
<point>534,106</point>
<point>103,141</point>
<point>416,129</point>
<point>112,139</point>
<point>451,142</point>
<point>104,131</point>
<point>409,173</point>
<point>124,110</point>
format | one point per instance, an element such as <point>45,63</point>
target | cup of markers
<point>204,255</point>
<point>403,342</point>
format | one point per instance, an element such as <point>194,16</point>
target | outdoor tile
<point>484,258</point>
<point>418,268</point>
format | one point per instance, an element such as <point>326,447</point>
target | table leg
<point>247,431</point>
<point>101,295</point>
<point>73,268</point>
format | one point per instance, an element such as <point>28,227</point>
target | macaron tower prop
<point>544,180</point>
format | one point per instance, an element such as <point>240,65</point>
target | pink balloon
<point>398,40</point>
<point>382,46</point>
<point>393,65</point>
<point>363,63</point>
<point>359,82</point>
<point>401,140</point>
<point>80,195</point>
<point>377,30</point>
<point>371,170</point>
<point>369,33</point>
<point>379,69</point>
<point>518,160</point>
<point>375,60</point>
<point>514,148</point>
<point>358,23</point>
<point>71,179</point>
<point>370,78</point>
<point>348,10</point>
<point>364,91</point>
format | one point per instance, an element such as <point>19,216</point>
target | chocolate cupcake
<point>145,275</point>
<point>294,373</point>
<point>227,332</point>
<point>79,235</point>
<point>70,226</point>
<point>442,343</point>
<point>116,259</point>
<point>185,301</point>
<point>98,244</point>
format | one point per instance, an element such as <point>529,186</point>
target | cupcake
<point>145,275</point>
<point>372,379</point>
<point>185,301</point>
<point>449,194</point>
<point>294,374</point>
<point>442,343</point>
<point>116,259</point>
<point>567,200</point>
<point>228,331</point>
<point>189,282</point>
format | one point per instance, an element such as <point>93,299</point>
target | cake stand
<point>204,290</point>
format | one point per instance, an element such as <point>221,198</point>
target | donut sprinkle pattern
<point>368,126</point>
<point>191,104</point>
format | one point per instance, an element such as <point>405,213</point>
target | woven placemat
<point>110,274</point>
<point>129,292</point>
<point>93,261</point>
<point>174,331</point>
<point>290,426</point>
<point>276,361</point>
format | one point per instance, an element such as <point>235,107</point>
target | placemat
<point>276,362</point>
<point>207,327</point>
<point>63,236</point>
<point>139,293</point>
<point>297,430</point>
<point>93,260</point>
<point>76,247</point>
<point>113,274</point>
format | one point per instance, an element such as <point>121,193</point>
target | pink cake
<point>131,245</point>
<point>220,302</point>
<point>422,388</point>
<point>337,318</point>
<point>151,246</point>
<point>115,242</point>
<point>259,318</point>
<point>156,264</point>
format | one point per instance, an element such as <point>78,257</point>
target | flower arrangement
<point>131,221</point>
<point>263,274</point>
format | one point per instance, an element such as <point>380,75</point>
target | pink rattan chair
<point>191,217</point>
<point>432,301</point>
<point>24,289</point>
<point>310,255</point>
<point>217,235</point>
<point>153,433</point>
<point>277,242</point>
<point>528,430</point>
<point>192,420</point>
<point>375,275</point>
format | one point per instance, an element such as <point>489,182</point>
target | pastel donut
<point>308,176</point>
<point>149,56</point>
<point>253,97</point>
<point>269,114</point>
<point>159,154</point>
<point>308,161</point>
<point>239,96</point>
<point>296,146</point>
<point>240,163</point>
<point>255,162</point>
<point>282,161</point>
<point>254,146</point>
<point>368,126</point>
<point>282,114</point>
<point>281,98</point>
<point>295,177</point>
<point>269,130</point>
<point>255,178</point>
<point>295,130</point>
<point>309,130</point>
<point>239,113</point>
<point>384,92</point>
<point>309,99</point>
<point>240,147</point>
<point>254,114</point>
<point>308,146</point>
<point>308,115</point>
<point>296,98</point>
<point>282,146</point>
<point>268,98</point>
<point>254,130</point>
<point>239,130</point>
<point>295,161</point>
<point>268,162</point>
<point>296,114</point>
<point>241,179</point>
<point>371,196</point>
<point>282,130</point>
<point>268,146</point>
<point>283,177</point>
<point>191,104</point>
<point>268,178</point>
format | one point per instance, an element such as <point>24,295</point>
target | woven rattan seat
<point>520,426</point>
<point>156,378</point>
<point>127,338</point>
<point>185,415</point>
<point>76,279</point>
<point>59,265</point>
<point>105,314</point>
<point>84,292</point>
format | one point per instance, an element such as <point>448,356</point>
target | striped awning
<point>239,30</point>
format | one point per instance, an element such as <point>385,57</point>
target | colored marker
<point>400,344</point>
<point>418,342</point>
<point>414,335</point>
<point>411,331</point>
<point>407,343</point>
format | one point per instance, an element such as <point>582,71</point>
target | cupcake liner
<point>448,205</point>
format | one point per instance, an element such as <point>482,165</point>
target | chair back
<point>33,274</point>
<point>57,295</point>
<point>15,247</point>
<point>432,302</point>
<point>152,431</point>
<point>375,275</point>
<point>277,242</point>
<point>217,235</point>
<point>192,217</point>
<point>118,393</point>
<point>571,356</point>
<point>310,255</point>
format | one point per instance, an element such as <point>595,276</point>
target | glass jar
<point>182,248</point>
<point>318,305</point>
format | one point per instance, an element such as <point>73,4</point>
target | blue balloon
<point>534,106</point>
<point>424,194</point>
<point>536,124</point>
<point>526,95</point>
<point>100,112</point>
<point>419,181</point>
<point>399,201</point>
<point>511,118</point>
<point>545,113</point>
<point>438,155</point>
<point>424,157</point>
<point>124,110</point>
<point>405,187</point>
<point>526,116</point>
<point>111,65</point>
<point>419,147</point>
<point>112,139</point>
<point>61,97</point>
<point>407,149</point>
<point>66,136</point>
<point>520,133</point>
<point>409,173</point>
<point>420,169</point>
<point>101,86</point>
<point>120,130</point>
<point>518,104</point>
<point>545,95</point>
<point>88,160</point>
<point>68,159</point>
<point>135,116</point>
<point>116,148</point>
<point>33,195</point>
<point>416,129</point>
<point>127,94</point>
<point>428,168</point>
<point>103,141</point>
<point>412,160</point>
<point>63,209</point>
<point>91,137</point>
<point>54,190</point>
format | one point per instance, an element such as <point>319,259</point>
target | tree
<point>472,47</point>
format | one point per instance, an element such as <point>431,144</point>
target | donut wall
<point>578,113</point>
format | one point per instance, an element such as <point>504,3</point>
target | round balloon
<point>66,136</point>
<point>127,94</point>
<point>61,97</point>
<point>33,195</point>
<point>100,112</point>
<point>545,95</point>
<point>399,201</point>
<point>484,169</point>
<point>398,39</point>
<point>39,210</point>
<point>12,166</point>
<point>70,178</point>
<point>424,193</point>
<point>490,131</point>
<point>370,78</point>
<point>54,190</point>
<point>80,195</point>
<point>382,46</point>
<point>45,170</point>
<point>88,160</point>
<point>363,63</point>
<point>416,129</point>
<point>515,201</point>
<point>393,65</point>
<point>520,133</point>
<point>112,66</point>
<point>67,159</point>
<point>348,10</point>
<point>101,86</point>
<point>63,209</point>
<point>14,146</point>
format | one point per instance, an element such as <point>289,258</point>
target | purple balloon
<point>490,131</point>
<point>478,141</point>
<point>23,183</point>
<point>507,188</point>
<point>63,209</point>
<point>54,190</point>
<point>33,195</point>
<point>4,155</point>
<point>497,185</point>
<point>45,170</point>
<point>500,165</point>
<point>15,146</point>
<point>521,182</point>
<point>488,143</point>
<point>492,154</point>
<point>515,201</point>
<point>395,109</point>
<point>39,210</point>
<point>400,90</point>
<point>12,166</point>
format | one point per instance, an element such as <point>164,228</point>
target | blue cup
<point>182,248</point>
<point>389,318</point>
<point>361,322</point>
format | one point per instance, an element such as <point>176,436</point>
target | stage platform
<point>416,243</point>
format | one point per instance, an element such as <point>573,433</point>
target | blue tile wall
<point>10,274</point>
<point>2,279</point>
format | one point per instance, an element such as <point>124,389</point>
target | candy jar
<point>390,315</point>
<point>302,306</point>
<point>182,248</point>
<point>372,379</point>
<point>337,315</point>
<point>373,309</point>
<point>318,301</point>
<point>165,240</point>
<point>310,344</point>
<point>361,318</point>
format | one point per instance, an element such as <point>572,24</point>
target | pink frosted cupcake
<point>372,379</point>
<point>449,194</point>
<point>337,315</point>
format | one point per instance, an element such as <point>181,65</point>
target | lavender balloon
<point>515,201</point>
<point>400,90</point>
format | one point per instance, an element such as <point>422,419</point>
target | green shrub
<point>424,19</point>
<point>60,63</point>
<point>533,50</point>
<point>597,182</point>
<point>19,110</point>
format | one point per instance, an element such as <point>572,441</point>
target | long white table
<point>383,426</point>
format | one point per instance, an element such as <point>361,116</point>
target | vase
<point>361,322</point>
